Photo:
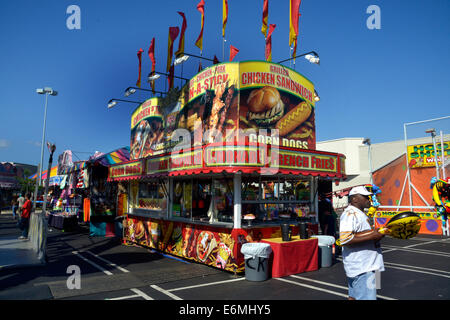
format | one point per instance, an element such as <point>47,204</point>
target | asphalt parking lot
<point>416,269</point>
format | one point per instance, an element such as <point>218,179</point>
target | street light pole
<point>43,139</point>
<point>52,92</point>
<point>367,142</point>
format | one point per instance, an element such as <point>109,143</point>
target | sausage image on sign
<point>293,118</point>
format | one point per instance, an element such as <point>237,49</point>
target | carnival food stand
<point>225,162</point>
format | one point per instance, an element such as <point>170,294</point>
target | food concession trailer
<point>223,162</point>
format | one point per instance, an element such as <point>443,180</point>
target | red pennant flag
<point>269,43</point>
<point>170,77</point>
<point>139,54</point>
<point>233,52</point>
<point>151,54</point>
<point>215,60</point>
<point>183,29</point>
<point>201,8</point>
<point>294,6</point>
<point>173,34</point>
<point>265,17</point>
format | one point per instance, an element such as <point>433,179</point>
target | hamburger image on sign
<point>265,106</point>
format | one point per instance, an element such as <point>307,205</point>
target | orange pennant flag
<point>173,34</point>
<point>224,16</point>
<point>233,52</point>
<point>201,8</point>
<point>265,18</point>
<point>183,29</point>
<point>139,54</point>
<point>269,43</point>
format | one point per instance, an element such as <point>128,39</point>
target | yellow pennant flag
<point>224,16</point>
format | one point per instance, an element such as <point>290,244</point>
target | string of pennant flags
<point>266,29</point>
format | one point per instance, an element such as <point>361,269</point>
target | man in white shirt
<point>360,246</point>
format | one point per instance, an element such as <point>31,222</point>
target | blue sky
<point>370,82</point>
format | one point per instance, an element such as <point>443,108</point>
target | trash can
<point>256,256</point>
<point>325,250</point>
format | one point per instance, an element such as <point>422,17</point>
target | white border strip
<point>92,263</point>
<point>165,292</point>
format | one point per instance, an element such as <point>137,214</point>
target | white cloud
<point>34,143</point>
<point>4,143</point>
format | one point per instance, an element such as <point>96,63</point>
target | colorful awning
<point>53,172</point>
<point>114,157</point>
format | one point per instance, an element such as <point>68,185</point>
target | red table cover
<point>292,257</point>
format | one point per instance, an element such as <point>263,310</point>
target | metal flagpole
<point>407,167</point>
<point>443,156</point>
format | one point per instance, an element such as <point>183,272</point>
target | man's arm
<point>372,235</point>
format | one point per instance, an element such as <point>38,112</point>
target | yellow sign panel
<point>149,108</point>
<point>209,78</point>
<point>258,73</point>
<point>422,155</point>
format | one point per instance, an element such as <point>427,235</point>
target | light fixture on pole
<point>113,102</point>
<point>432,131</point>
<point>311,56</point>
<point>316,96</point>
<point>131,90</point>
<point>183,56</point>
<point>156,75</point>
<point>47,91</point>
<point>366,141</point>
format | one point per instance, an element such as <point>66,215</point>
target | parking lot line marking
<point>165,292</point>
<point>424,251</point>
<point>205,284</point>
<point>414,267</point>
<point>92,263</point>
<point>142,294</point>
<point>335,285</point>
<point>125,297</point>
<point>418,271</point>
<point>311,287</point>
<point>112,264</point>
<point>420,244</point>
<point>320,282</point>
